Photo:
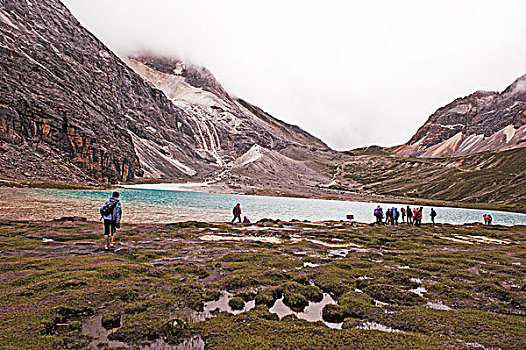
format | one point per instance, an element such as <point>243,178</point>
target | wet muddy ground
<point>298,285</point>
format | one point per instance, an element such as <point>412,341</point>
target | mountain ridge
<point>481,121</point>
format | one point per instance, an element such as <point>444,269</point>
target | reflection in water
<point>309,264</point>
<point>378,327</point>
<point>438,306</point>
<point>93,327</point>
<point>419,291</point>
<point>195,343</point>
<point>312,313</point>
<point>222,305</point>
<point>141,206</point>
<point>262,239</point>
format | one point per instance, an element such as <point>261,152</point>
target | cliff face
<point>482,121</point>
<point>71,110</point>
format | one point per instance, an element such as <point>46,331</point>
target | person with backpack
<point>433,214</point>
<point>388,217</point>
<point>402,210</point>
<point>379,213</point>
<point>237,212</point>
<point>111,212</point>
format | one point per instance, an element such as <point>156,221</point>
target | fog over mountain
<point>352,73</point>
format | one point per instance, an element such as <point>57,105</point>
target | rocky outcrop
<point>482,121</point>
<point>74,107</point>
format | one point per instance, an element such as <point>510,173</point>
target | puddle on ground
<point>438,306</point>
<point>339,252</point>
<point>265,228</point>
<point>488,240</point>
<point>263,239</point>
<point>309,264</point>
<point>194,343</point>
<point>378,327</point>
<point>475,239</point>
<point>419,291</point>
<point>93,327</point>
<point>222,305</point>
<point>380,303</point>
<point>311,313</point>
<point>456,240</point>
<point>297,239</point>
<point>337,248</point>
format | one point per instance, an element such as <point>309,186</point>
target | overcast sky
<point>354,73</point>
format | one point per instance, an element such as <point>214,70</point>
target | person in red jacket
<point>237,212</point>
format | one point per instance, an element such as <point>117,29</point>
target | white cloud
<point>354,73</point>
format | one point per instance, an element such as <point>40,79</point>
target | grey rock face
<point>67,100</point>
<point>482,121</point>
<point>71,110</point>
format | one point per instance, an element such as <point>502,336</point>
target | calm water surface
<point>161,206</point>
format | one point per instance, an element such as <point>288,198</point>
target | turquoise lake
<point>163,206</point>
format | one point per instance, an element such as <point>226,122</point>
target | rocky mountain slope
<point>488,177</point>
<point>482,121</point>
<point>71,110</point>
<point>233,133</point>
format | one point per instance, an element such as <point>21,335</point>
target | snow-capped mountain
<point>482,121</point>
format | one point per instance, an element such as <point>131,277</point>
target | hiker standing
<point>237,212</point>
<point>433,214</point>
<point>490,219</point>
<point>387,217</point>
<point>409,216</point>
<point>395,215</point>
<point>111,212</point>
<point>419,213</point>
<point>403,213</point>
<point>378,213</point>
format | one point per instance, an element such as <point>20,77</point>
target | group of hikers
<point>111,213</point>
<point>392,215</point>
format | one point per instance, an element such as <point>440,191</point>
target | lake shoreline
<point>310,193</point>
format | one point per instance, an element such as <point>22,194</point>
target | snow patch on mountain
<point>509,132</point>
<point>469,142</point>
<point>252,155</point>
<point>151,156</point>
